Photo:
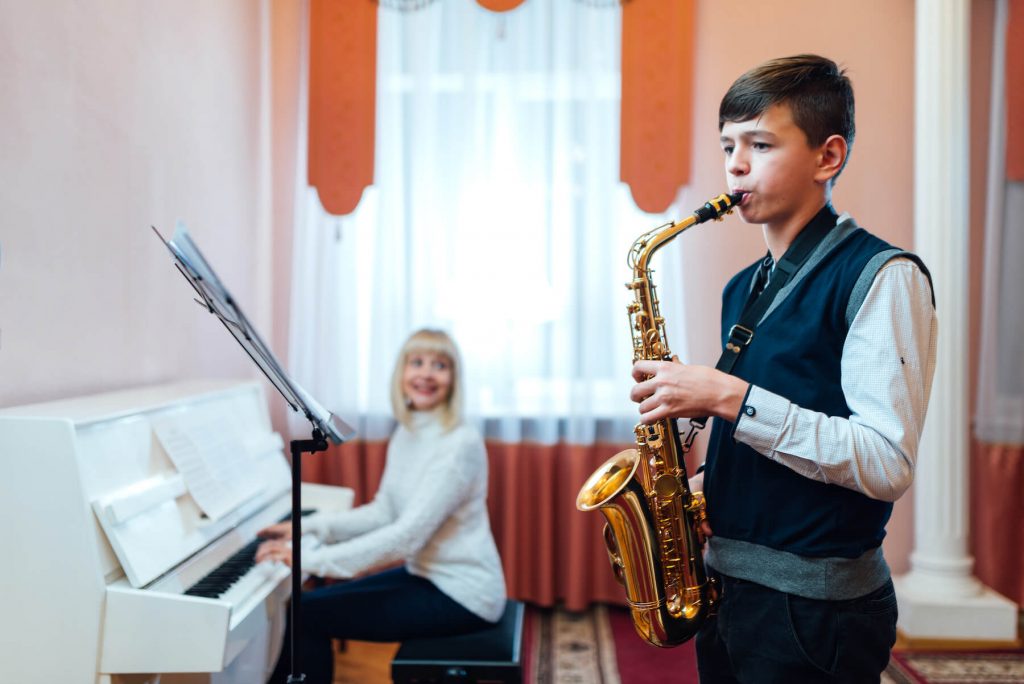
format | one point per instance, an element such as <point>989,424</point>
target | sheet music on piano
<point>207,455</point>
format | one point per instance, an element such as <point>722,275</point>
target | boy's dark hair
<point>817,91</point>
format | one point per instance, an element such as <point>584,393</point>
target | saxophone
<point>652,533</point>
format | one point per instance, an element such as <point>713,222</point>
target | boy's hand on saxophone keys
<point>671,389</point>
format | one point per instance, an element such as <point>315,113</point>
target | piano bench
<point>490,656</point>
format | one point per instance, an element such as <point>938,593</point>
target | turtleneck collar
<point>426,421</point>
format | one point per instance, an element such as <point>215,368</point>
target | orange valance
<point>500,5</point>
<point>1014,92</point>
<point>657,82</point>
<point>342,100</point>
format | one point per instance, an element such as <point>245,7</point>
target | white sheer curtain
<point>496,214</point>
<point>1000,416</point>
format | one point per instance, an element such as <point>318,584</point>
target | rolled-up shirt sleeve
<point>887,366</point>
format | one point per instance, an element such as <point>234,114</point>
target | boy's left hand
<point>670,389</point>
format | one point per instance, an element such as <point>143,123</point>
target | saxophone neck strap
<point>741,334</point>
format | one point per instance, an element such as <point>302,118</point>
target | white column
<point>940,598</point>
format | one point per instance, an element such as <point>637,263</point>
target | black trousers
<point>389,606</point>
<point>765,636</point>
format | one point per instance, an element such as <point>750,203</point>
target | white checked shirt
<point>887,367</point>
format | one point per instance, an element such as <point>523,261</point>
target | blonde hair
<point>438,342</point>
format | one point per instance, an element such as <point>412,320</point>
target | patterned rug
<point>1001,667</point>
<point>571,648</point>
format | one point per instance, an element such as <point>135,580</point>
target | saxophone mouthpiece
<point>718,207</point>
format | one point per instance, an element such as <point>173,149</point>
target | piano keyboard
<point>218,581</point>
<point>221,578</point>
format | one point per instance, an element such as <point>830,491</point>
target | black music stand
<point>326,426</point>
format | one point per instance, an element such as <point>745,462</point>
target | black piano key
<point>220,579</point>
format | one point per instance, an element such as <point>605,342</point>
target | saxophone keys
<point>666,487</point>
<point>674,605</point>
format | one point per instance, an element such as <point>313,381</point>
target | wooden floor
<point>363,662</point>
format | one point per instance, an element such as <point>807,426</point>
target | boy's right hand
<point>281,530</point>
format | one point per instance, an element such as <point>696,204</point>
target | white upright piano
<point>130,522</point>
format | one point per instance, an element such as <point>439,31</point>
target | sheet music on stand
<point>326,426</point>
<point>218,301</point>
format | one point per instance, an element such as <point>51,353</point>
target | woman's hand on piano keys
<point>277,551</point>
<point>282,530</point>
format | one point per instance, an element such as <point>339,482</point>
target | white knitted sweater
<point>430,512</point>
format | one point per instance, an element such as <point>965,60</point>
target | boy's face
<point>769,158</point>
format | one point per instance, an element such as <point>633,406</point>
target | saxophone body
<point>652,531</point>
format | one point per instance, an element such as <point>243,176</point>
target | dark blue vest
<point>796,352</point>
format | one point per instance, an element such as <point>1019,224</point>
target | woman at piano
<point>430,514</point>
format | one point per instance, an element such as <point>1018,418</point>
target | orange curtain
<point>550,551</point>
<point>1015,92</point>
<point>997,512</point>
<point>342,100</point>
<point>657,80</point>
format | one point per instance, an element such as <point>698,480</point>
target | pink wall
<point>115,119</point>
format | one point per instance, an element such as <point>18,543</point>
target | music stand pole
<point>318,443</point>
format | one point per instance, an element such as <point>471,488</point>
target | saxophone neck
<point>650,242</point>
<point>646,323</point>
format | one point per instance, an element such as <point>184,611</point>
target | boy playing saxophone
<point>819,418</point>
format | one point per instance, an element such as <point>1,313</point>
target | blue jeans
<point>765,636</point>
<point>390,606</point>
